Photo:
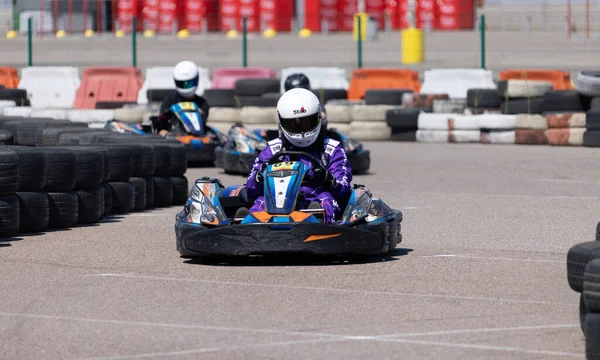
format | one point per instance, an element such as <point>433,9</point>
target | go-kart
<point>208,225</point>
<point>188,128</point>
<point>238,154</point>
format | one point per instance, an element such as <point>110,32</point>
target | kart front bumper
<point>255,239</point>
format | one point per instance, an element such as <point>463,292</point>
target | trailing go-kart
<point>188,128</point>
<point>237,155</point>
<point>208,225</point>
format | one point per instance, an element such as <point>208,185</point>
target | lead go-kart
<point>188,128</point>
<point>237,154</point>
<point>208,226</point>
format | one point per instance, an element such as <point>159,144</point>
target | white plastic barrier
<point>320,77</point>
<point>456,82</point>
<point>6,104</point>
<point>36,21</point>
<point>161,77</point>
<point>50,86</point>
<point>90,116</point>
<point>497,121</point>
<point>24,111</point>
<point>449,136</point>
<point>429,121</point>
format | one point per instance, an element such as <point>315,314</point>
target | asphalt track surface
<point>460,49</point>
<point>481,273</point>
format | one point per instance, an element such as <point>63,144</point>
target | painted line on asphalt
<point>481,330</point>
<point>561,197</point>
<point>459,256</point>
<point>312,288</point>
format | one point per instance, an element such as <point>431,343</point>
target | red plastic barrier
<point>108,84</point>
<point>9,77</point>
<point>229,15</point>
<point>365,79</point>
<point>167,15</point>
<point>277,14</point>
<point>225,78</point>
<point>150,15</point>
<point>194,13</point>
<point>455,14</point>
<point>346,11</point>
<point>251,10</point>
<point>375,9</point>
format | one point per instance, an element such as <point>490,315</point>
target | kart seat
<point>232,198</point>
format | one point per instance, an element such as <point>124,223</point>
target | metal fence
<point>513,38</point>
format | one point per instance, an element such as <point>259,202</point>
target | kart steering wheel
<point>313,160</point>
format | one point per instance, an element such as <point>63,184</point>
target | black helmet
<point>297,81</point>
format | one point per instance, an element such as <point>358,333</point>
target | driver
<point>186,78</point>
<point>301,126</point>
<point>299,80</point>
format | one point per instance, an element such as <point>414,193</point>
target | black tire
<point>86,137</point>
<point>6,137</point>
<point>13,93</point>
<point>582,313</point>
<point>32,167</point>
<point>9,216</point>
<point>162,159</point>
<point>50,136</point>
<point>136,156</point>
<point>9,172</point>
<point>120,163</point>
<point>564,101</point>
<point>157,95</point>
<point>180,189</point>
<point>385,96</point>
<point>325,95</point>
<point>483,98</point>
<point>406,119</point>
<point>598,231</point>
<point>60,169</point>
<point>595,103</point>
<point>405,136</point>
<point>107,194</point>
<point>592,119</point>
<point>26,131</point>
<point>111,105</point>
<point>105,154</point>
<point>91,202</point>
<point>591,138</point>
<point>4,119</point>
<point>256,87</point>
<point>179,160</point>
<point>139,185</point>
<point>591,286</point>
<point>89,167</point>
<point>258,101</point>
<point>273,95</point>
<point>523,106</point>
<point>149,192</point>
<point>64,209</point>
<point>592,336</point>
<point>220,97</point>
<point>163,191</point>
<point>34,212</point>
<point>577,259</point>
<point>123,197</point>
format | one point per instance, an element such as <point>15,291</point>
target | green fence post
<point>359,47</point>
<point>244,42</point>
<point>482,38</point>
<point>15,16</point>
<point>29,43</point>
<point>134,41</point>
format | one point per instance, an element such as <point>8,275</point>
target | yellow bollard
<point>304,33</point>
<point>364,24</point>
<point>61,34</point>
<point>183,34</point>
<point>269,33</point>
<point>88,33</point>
<point>11,34</point>
<point>412,46</point>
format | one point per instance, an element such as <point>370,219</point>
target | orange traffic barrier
<point>561,80</point>
<point>9,77</point>
<point>118,84</point>
<point>365,79</point>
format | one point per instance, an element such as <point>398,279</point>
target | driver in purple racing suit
<point>300,127</point>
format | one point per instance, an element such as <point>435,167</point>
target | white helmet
<point>299,114</point>
<point>186,78</point>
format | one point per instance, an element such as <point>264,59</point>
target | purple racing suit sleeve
<point>253,188</point>
<point>339,167</point>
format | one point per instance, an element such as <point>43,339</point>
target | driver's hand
<point>163,133</point>
<point>259,174</point>
<point>322,176</point>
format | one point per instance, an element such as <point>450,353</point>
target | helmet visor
<point>187,84</point>
<point>300,124</point>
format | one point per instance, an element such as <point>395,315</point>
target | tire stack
<point>257,92</point>
<point>368,120</point>
<point>583,273</point>
<point>588,84</point>
<point>404,121</point>
<point>18,96</point>
<point>56,174</point>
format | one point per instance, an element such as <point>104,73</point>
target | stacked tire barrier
<point>56,174</point>
<point>583,273</point>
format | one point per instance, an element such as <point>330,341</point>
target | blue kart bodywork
<point>188,128</point>
<point>207,225</point>
<point>237,155</point>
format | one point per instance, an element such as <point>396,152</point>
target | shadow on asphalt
<point>298,260</point>
<point>6,242</point>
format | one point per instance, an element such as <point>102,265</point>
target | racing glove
<point>259,176</point>
<point>324,177</point>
